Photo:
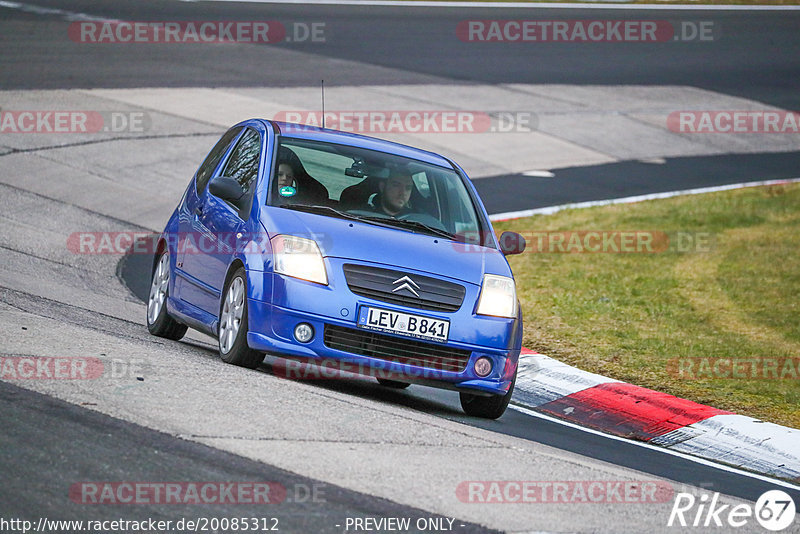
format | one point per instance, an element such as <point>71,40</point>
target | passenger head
<point>286,174</point>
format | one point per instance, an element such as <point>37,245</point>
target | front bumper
<point>332,310</point>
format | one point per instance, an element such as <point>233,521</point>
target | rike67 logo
<point>774,510</point>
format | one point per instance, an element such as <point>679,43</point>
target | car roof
<point>302,131</point>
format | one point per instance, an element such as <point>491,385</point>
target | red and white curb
<point>590,400</point>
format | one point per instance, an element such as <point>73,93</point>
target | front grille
<point>394,349</point>
<point>380,284</point>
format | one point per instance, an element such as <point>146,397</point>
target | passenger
<point>286,175</point>
<point>293,184</point>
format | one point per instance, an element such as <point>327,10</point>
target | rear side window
<point>243,163</point>
<point>206,170</point>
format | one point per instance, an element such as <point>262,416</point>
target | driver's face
<point>395,193</point>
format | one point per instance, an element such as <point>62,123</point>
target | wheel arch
<point>160,246</point>
<point>235,265</point>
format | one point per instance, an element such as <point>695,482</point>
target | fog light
<point>303,332</point>
<point>483,366</point>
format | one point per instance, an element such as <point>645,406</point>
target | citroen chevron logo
<point>407,283</point>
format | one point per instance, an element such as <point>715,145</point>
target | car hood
<point>393,248</point>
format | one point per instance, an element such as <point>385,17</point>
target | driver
<point>395,192</point>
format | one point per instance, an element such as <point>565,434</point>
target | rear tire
<point>159,322</point>
<point>233,346</point>
<point>487,407</point>
<point>394,384</point>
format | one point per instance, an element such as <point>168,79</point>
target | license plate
<point>406,324</point>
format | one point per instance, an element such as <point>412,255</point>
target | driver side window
<point>243,166</point>
<point>209,165</point>
<point>244,161</point>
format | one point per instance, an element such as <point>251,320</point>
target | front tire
<point>233,346</point>
<point>487,407</point>
<point>159,322</point>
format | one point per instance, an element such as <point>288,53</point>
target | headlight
<point>498,296</point>
<point>298,257</point>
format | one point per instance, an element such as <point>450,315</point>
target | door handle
<point>198,210</point>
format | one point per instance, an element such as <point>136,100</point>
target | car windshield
<point>375,187</point>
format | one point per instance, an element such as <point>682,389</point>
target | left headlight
<point>498,296</point>
<point>298,257</point>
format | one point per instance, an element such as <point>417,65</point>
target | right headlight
<point>498,296</point>
<point>298,257</point>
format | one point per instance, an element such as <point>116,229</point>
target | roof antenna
<point>322,85</point>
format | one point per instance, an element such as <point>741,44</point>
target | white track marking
<point>629,200</point>
<point>67,15</point>
<point>752,443</point>
<point>539,174</point>
<point>695,459</point>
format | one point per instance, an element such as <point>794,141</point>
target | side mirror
<point>512,243</point>
<point>227,189</point>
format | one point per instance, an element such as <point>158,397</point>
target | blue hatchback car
<point>308,243</point>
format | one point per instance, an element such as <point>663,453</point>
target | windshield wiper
<point>327,210</point>
<point>380,221</point>
<point>413,225</point>
<point>323,210</point>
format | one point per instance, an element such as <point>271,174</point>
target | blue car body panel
<point>277,303</point>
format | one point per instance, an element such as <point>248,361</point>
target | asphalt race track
<point>340,449</point>
<point>601,182</point>
<point>755,55</point>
